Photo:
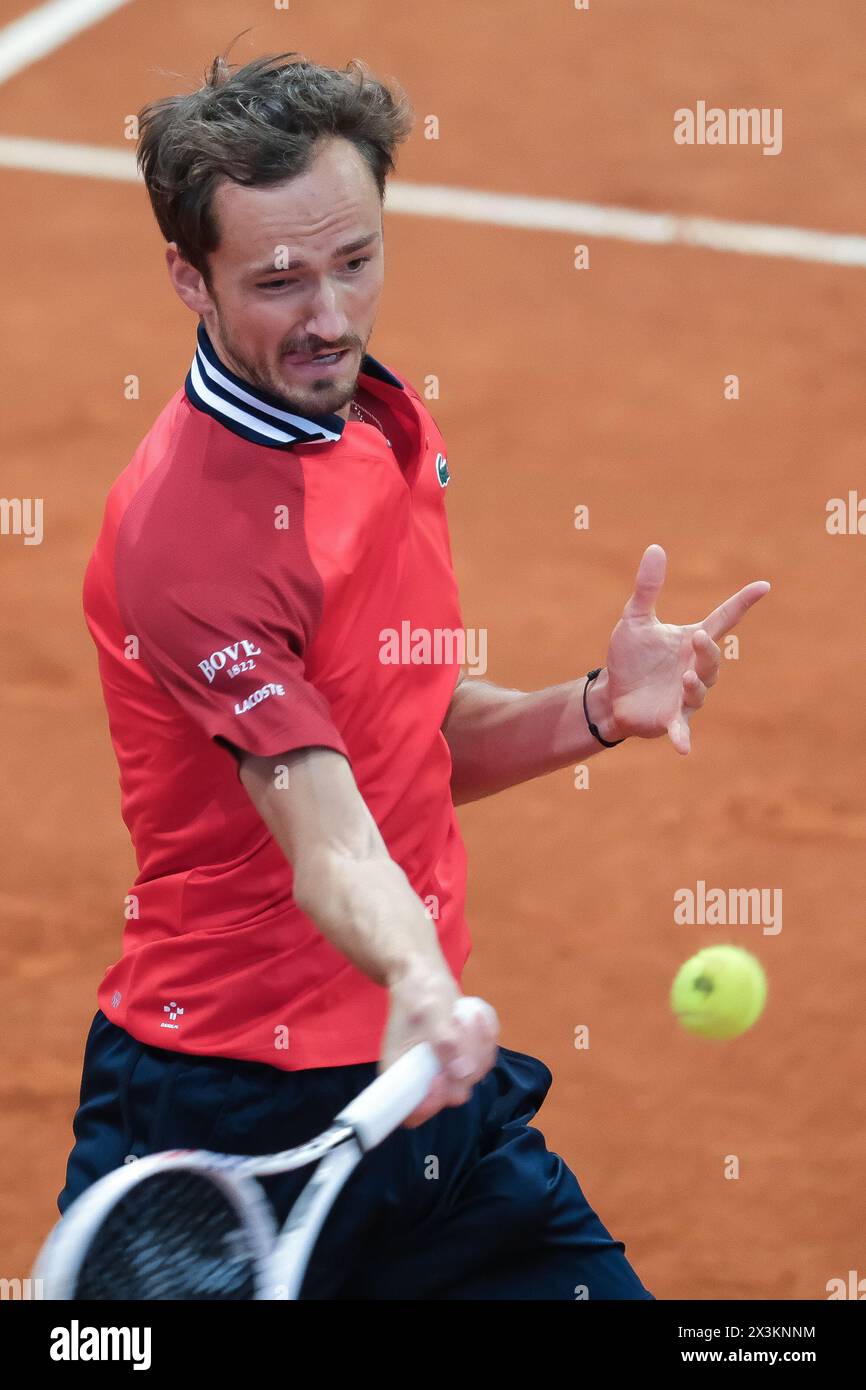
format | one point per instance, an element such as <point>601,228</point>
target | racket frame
<point>59,1261</point>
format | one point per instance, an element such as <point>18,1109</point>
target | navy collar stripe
<point>233,414</point>
<point>253,436</point>
<point>235,387</point>
<point>257,415</point>
<point>370,367</point>
<point>231,390</point>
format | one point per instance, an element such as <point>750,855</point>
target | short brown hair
<point>258,125</point>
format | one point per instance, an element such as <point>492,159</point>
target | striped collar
<point>257,415</point>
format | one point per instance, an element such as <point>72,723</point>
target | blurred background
<point>561,379</point>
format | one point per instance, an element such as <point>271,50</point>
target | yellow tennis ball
<point>720,992</point>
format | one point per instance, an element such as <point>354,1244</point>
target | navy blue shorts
<point>470,1205</point>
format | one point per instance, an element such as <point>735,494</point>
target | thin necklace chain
<point>362,411</point>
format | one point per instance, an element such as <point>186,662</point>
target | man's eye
<point>353,267</point>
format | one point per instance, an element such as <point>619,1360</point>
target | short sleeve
<point>230,650</point>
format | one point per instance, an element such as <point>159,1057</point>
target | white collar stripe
<point>218,379</point>
<point>232,412</point>
<point>257,415</point>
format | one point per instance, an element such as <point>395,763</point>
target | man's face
<point>298,272</point>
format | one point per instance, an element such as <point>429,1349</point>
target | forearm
<point>343,876</point>
<point>366,907</point>
<point>499,738</point>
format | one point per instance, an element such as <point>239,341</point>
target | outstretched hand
<point>658,674</point>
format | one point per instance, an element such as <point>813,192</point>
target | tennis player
<point>275,611</point>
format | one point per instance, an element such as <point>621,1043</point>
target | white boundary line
<point>501,209</point>
<point>625,224</point>
<point>57,157</point>
<point>30,37</point>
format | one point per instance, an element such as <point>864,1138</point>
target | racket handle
<point>392,1097</point>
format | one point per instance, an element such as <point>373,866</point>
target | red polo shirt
<point>272,581</point>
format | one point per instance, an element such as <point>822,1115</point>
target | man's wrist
<point>416,954</point>
<point>598,706</point>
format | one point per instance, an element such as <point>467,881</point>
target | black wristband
<point>593,728</point>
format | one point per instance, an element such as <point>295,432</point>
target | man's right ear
<point>188,282</point>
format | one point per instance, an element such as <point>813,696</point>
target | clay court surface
<point>558,387</point>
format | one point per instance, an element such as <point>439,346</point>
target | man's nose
<point>326,320</point>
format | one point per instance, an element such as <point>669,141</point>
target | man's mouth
<point>317,360</point>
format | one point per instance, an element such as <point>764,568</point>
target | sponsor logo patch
<point>263,693</point>
<point>235,657</point>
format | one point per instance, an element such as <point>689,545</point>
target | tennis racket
<point>194,1225</point>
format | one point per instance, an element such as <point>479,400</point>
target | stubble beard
<point>321,397</point>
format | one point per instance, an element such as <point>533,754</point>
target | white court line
<point>502,209</point>
<point>625,224</point>
<point>40,31</point>
<point>57,157</point>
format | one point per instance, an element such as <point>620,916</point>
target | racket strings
<point>175,1235</point>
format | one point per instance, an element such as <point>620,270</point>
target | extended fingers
<point>648,583</point>
<point>696,682</point>
<point>678,732</point>
<point>694,691</point>
<point>708,657</point>
<point>700,678</point>
<point>729,613</point>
